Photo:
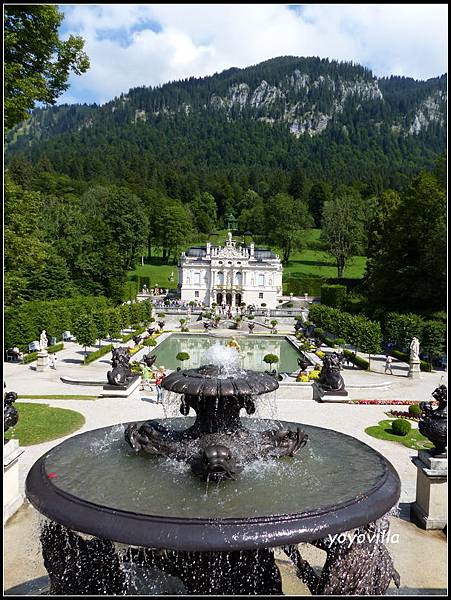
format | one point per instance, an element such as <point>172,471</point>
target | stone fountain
<point>206,499</point>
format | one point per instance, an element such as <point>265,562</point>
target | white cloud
<point>149,44</point>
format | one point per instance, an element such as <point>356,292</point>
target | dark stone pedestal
<point>322,395</point>
<point>124,390</point>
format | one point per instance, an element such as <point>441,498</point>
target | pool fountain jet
<point>215,539</point>
<point>217,445</point>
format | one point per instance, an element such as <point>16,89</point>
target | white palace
<point>230,274</point>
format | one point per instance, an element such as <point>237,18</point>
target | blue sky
<point>132,45</point>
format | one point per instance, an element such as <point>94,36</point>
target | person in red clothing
<point>159,379</point>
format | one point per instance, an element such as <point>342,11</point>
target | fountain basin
<point>93,483</point>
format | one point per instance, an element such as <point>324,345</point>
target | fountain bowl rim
<point>204,381</point>
<point>207,533</point>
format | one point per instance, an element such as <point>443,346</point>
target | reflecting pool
<point>252,350</point>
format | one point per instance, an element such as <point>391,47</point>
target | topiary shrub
<point>182,356</point>
<point>333,295</point>
<point>414,409</point>
<point>149,341</point>
<point>401,427</point>
<point>271,359</point>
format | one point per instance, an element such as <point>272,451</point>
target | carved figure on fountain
<point>215,462</point>
<point>361,568</point>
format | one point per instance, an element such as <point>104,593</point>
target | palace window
<point>260,295</point>
<point>238,278</point>
<point>220,278</point>
<point>261,279</point>
<point>196,294</point>
<point>196,278</point>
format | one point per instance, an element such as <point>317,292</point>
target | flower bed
<point>402,414</point>
<point>403,402</point>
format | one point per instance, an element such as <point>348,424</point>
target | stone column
<point>414,369</point>
<point>430,506</point>
<point>12,498</point>
<point>43,360</point>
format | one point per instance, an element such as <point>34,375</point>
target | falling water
<point>227,359</point>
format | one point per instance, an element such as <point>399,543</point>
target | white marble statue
<point>43,341</point>
<point>414,350</point>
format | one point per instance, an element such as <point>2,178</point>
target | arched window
<point>238,278</point>
<point>220,278</point>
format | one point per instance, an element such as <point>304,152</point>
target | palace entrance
<point>237,299</point>
<point>219,299</point>
<point>229,299</point>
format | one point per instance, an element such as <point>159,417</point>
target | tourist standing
<point>388,362</point>
<point>145,377</point>
<point>159,380</point>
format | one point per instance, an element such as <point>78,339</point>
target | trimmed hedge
<point>34,355</point>
<point>333,295</point>
<point>97,354</point>
<point>357,360</point>
<point>149,341</point>
<point>298,286</point>
<point>357,330</point>
<point>424,366</point>
<point>355,304</point>
<point>24,323</point>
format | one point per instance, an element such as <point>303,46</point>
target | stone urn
<point>433,420</point>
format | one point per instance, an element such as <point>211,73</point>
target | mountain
<point>332,120</point>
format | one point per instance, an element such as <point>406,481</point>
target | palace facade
<point>230,274</point>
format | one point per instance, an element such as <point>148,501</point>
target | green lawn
<point>58,397</point>
<point>312,262</point>
<point>40,423</point>
<point>414,439</point>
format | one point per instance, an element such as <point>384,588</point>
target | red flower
<point>51,475</point>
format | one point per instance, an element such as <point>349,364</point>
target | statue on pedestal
<point>43,342</point>
<point>414,350</point>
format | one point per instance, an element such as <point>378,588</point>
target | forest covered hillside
<point>334,121</point>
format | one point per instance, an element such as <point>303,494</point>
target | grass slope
<point>40,423</point>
